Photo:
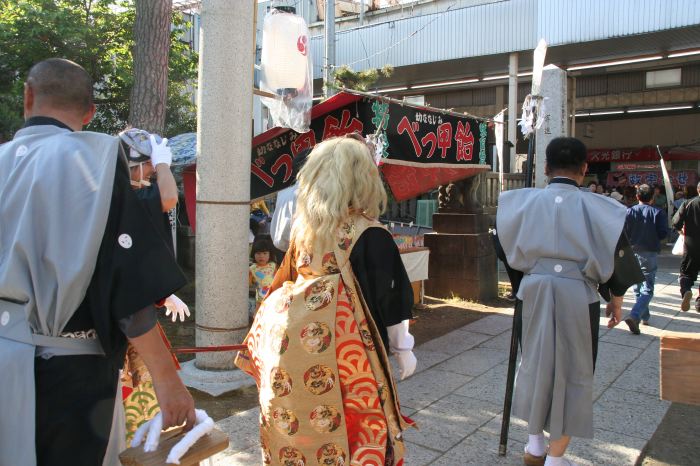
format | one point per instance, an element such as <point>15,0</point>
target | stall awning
<point>426,147</point>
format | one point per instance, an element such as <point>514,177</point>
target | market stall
<point>419,149</point>
<point>415,260</point>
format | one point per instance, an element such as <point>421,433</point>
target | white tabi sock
<point>558,461</point>
<point>535,444</point>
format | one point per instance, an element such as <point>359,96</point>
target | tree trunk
<point>149,95</point>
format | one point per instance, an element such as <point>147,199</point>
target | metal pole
<point>515,333</point>
<point>362,12</point>
<point>329,59</point>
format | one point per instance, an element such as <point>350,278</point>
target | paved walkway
<point>456,394</point>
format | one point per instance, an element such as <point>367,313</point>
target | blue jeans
<point>645,290</point>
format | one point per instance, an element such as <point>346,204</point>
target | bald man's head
<point>60,84</point>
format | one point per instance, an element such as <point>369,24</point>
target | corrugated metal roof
<point>571,21</point>
<point>447,35</point>
<point>501,27</point>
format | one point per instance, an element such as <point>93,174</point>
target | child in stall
<point>262,271</point>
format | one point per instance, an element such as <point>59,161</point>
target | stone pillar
<point>462,258</point>
<point>556,116</point>
<point>329,48</point>
<point>513,108</point>
<point>225,95</point>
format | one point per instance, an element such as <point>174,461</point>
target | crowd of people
<point>627,195</point>
<point>87,261</point>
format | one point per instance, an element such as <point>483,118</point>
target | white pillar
<point>513,108</point>
<point>329,59</point>
<point>556,116</point>
<point>225,93</point>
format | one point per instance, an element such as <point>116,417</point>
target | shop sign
<point>634,177</point>
<point>416,137</point>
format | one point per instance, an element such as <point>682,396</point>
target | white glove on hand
<point>400,344</point>
<point>407,363</point>
<point>160,153</point>
<point>177,308</point>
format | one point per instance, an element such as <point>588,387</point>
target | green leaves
<point>97,34</point>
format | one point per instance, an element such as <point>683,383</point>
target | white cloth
<point>152,430</point>
<point>416,264</point>
<point>282,217</point>
<point>401,345</point>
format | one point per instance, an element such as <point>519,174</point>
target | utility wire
<point>386,49</point>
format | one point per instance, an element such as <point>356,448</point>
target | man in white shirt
<point>282,217</point>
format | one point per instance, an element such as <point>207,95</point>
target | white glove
<point>400,344</point>
<point>407,363</point>
<point>177,308</point>
<point>160,153</point>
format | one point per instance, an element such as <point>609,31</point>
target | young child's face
<point>262,257</point>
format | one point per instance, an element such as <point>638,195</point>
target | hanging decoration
<point>287,70</point>
<point>533,106</point>
<point>498,133</point>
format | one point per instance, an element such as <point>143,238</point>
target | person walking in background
<point>616,194</point>
<point>645,226</point>
<point>629,196</point>
<point>282,217</point>
<point>687,222</point>
<point>660,200</point>
<point>679,199</point>
<point>564,241</point>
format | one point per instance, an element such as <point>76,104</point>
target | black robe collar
<point>564,180</point>
<point>43,120</point>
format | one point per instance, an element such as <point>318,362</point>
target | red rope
<point>208,349</point>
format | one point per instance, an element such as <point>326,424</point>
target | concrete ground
<point>456,394</point>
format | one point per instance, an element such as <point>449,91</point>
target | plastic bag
<point>679,246</point>
<point>286,70</point>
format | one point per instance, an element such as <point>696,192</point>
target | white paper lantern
<point>285,51</point>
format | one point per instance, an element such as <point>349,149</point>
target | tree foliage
<point>97,34</point>
<point>344,76</point>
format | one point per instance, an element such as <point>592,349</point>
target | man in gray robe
<point>565,242</point>
<point>79,273</point>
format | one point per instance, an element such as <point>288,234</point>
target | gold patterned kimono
<point>326,392</point>
<point>138,393</point>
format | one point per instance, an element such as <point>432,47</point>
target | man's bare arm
<point>175,401</point>
<point>166,186</point>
